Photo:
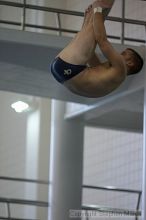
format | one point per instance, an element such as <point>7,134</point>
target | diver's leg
<point>79,50</point>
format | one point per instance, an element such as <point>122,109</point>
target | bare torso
<point>91,83</point>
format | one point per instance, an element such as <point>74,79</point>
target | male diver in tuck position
<point>78,67</point>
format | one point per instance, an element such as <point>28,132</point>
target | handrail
<point>59,29</point>
<point>67,12</point>
<point>41,8</point>
<point>110,210</point>
<point>44,182</point>
<point>9,201</point>
<point>7,218</point>
<point>111,188</point>
<point>84,207</point>
<point>135,213</point>
<point>138,203</point>
<point>23,202</point>
<point>66,30</point>
<point>17,201</point>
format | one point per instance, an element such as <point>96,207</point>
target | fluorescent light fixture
<point>20,106</point>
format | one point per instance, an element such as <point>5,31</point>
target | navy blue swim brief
<point>63,71</point>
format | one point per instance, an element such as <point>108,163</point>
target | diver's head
<point>134,61</point>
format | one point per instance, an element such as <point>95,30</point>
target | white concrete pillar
<point>66,164</point>
<point>31,163</point>
<point>44,154</point>
<point>144,153</point>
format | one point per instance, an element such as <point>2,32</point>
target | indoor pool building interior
<point>67,156</point>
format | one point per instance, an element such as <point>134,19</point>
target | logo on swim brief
<point>67,72</point>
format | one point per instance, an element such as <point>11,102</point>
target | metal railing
<point>9,201</point>
<point>87,208</point>
<point>3,218</point>
<point>120,211</point>
<point>24,6</point>
<point>44,182</point>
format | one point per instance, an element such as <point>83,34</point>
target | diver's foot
<point>103,3</point>
<point>88,15</point>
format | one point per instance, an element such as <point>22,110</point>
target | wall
<point>32,159</point>
<point>37,160</point>
<point>51,19</point>
<point>112,158</point>
<point>24,153</point>
<point>12,149</point>
<point>11,14</point>
<point>44,155</point>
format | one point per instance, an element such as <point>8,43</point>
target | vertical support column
<point>65,164</point>
<point>144,152</point>
<point>123,23</point>
<point>9,210</point>
<point>58,21</point>
<point>32,155</point>
<point>23,15</point>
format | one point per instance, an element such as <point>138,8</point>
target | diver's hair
<point>138,60</point>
